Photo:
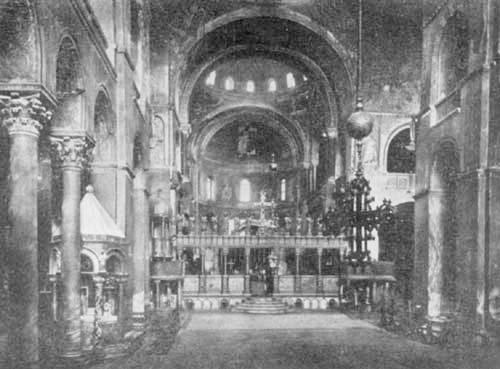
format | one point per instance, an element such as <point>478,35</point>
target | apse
<point>249,139</point>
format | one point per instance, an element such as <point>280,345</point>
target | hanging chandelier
<point>354,214</point>
<point>360,123</point>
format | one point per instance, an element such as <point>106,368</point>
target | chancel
<point>161,159</point>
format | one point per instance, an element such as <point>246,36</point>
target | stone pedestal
<point>22,116</point>
<point>72,152</point>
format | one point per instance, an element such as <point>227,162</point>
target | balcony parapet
<point>218,241</point>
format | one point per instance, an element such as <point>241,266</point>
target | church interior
<point>250,156</point>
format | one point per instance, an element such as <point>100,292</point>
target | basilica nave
<point>179,160</point>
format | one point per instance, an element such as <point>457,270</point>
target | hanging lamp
<point>360,123</point>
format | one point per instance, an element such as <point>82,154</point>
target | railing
<point>217,241</point>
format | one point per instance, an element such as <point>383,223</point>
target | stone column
<point>157,297</point>
<point>203,275</point>
<point>247,271</point>
<point>23,117</point>
<point>225,277</point>
<point>140,259</point>
<point>121,299</point>
<point>72,152</point>
<point>179,294</point>
<point>319,285</point>
<point>53,280</point>
<point>298,287</point>
<point>276,271</point>
<point>435,278</point>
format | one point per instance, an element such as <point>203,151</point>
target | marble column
<point>72,153</point>
<point>298,287</point>
<point>435,279</point>
<point>140,257</point>
<point>179,294</point>
<point>203,275</point>
<point>121,299</point>
<point>225,276</point>
<point>23,117</point>
<point>247,271</point>
<point>319,284</point>
<point>53,280</point>
<point>157,297</point>
<point>276,272</point>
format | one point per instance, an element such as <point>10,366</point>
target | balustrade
<point>216,241</point>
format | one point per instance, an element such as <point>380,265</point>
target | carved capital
<point>23,114</point>
<point>73,151</point>
<point>186,129</point>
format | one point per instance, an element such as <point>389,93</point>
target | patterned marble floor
<point>291,341</point>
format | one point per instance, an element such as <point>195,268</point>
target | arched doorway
<point>442,272</point>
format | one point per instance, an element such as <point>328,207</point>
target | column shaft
<point>247,271</point>
<point>140,255</point>
<point>298,287</point>
<point>23,248</point>
<point>71,345</point>
<point>320,276</point>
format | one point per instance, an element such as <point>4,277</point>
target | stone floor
<point>293,341</point>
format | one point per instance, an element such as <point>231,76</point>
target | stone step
<point>243,306</point>
<point>262,305</point>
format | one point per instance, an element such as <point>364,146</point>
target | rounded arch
<point>68,67</point>
<point>90,261</point>
<point>290,129</point>
<point>160,141</point>
<point>281,13</point>
<point>187,87</point>
<point>445,155</point>
<point>453,53</point>
<point>68,85</point>
<point>104,128</point>
<point>448,13</point>
<point>21,42</point>
<point>284,14</point>
<point>395,133</point>
<point>115,262</point>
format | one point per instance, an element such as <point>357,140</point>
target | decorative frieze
<point>23,114</point>
<point>73,151</point>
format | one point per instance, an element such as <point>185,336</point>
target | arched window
<point>210,188</point>
<point>283,189</point>
<point>453,54</point>
<point>210,81</point>
<point>399,158</point>
<point>272,86</point>
<point>229,84</point>
<point>245,190</point>
<point>250,86</point>
<point>104,128</point>
<point>86,264</point>
<point>67,67</point>
<point>290,80</point>
<point>113,265</point>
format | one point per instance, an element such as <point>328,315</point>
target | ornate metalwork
<point>355,216</point>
